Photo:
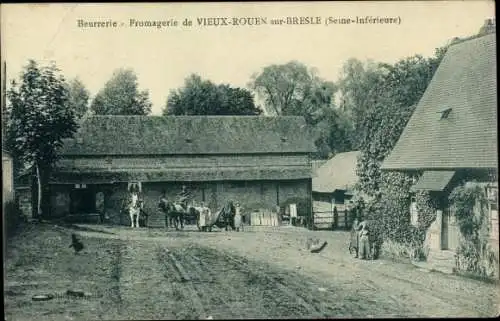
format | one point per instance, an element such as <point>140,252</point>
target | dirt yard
<point>267,273</point>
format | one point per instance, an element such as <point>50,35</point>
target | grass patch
<point>473,276</point>
<point>402,252</point>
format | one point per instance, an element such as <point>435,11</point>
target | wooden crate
<point>264,218</point>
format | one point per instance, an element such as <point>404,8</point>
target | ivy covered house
<point>451,140</point>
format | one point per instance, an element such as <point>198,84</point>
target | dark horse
<point>226,217</point>
<point>174,213</point>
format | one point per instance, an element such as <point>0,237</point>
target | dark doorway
<point>82,201</point>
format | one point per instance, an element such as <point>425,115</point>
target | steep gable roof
<point>455,123</point>
<point>169,135</point>
<point>317,163</point>
<point>338,173</point>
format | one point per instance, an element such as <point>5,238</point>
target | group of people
<point>360,240</point>
<point>184,198</point>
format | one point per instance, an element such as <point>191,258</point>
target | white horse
<point>134,209</point>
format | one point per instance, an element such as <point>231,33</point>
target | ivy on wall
<point>392,102</point>
<point>474,253</point>
<point>426,208</point>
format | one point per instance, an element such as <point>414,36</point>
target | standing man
<point>184,197</point>
<point>335,217</point>
<point>163,205</point>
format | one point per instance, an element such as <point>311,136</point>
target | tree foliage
<point>333,131</point>
<point>400,87</point>
<point>474,253</point>
<point>293,89</point>
<point>359,86</point>
<point>78,97</point>
<point>203,97</point>
<point>121,96</point>
<point>39,118</point>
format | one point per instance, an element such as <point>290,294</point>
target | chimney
<point>488,27</point>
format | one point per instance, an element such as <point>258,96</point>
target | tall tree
<point>202,97</point>
<point>295,89</point>
<point>121,96</point>
<point>38,120</point>
<point>337,133</point>
<point>78,97</point>
<point>292,89</point>
<point>359,86</point>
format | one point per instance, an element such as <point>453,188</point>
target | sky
<point>163,57</point>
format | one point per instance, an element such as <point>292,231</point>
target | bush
<point>474,253</point>
<point>413,251</point>
<point>482,261</point>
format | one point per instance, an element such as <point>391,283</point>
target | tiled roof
<point>338,173</point>
<point>467,138</point>
<point>161,135</point>
<point>433,181</point>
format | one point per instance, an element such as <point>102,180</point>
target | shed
<point>333,186</point>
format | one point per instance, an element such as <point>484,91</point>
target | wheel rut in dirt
<point>222,285</point>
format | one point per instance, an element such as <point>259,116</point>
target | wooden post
<point>310,214</point>
<point>277,194</point>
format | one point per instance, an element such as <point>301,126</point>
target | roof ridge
<point>458,41</point>
<point>192,116</point>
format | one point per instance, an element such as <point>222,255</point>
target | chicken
<point>76,244</point>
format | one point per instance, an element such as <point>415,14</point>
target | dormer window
<point>283,139</point>
<point>445,113</point>
<point>189,140</point>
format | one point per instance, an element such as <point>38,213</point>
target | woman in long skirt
<point>238,224</point>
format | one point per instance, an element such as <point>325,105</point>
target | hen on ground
<point>76,244</point>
